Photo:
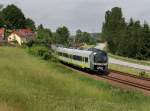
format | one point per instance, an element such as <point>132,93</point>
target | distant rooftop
<point>24,32</point>
<point>2,31</point>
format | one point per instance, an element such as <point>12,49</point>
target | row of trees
<point>62,36</point>
<point>84,37</point>
<point>11,17</point>
<point>126,39</point>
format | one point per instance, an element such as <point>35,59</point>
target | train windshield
<point>100,57</point>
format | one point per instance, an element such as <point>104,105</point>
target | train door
<point>91,60</point>
<point>83,62</point>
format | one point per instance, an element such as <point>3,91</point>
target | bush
<point>143,74</point>
<point>46,56</point>
<point>41,51</point>
<point>30,43</point>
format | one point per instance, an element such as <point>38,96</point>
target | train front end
<point>99,61</point>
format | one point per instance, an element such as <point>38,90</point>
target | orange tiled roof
<point>24,33</point>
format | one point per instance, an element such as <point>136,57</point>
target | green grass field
<point>30,84</point>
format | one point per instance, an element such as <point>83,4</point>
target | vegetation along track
<point>119,77</point>
<point>129,80</point>
<point>131,75</point>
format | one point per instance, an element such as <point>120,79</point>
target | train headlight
<point>94,53</point>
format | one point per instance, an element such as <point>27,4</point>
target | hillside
<point>30,84</point>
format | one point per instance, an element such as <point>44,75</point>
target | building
<point>21,36</point>
<point>2,34</point>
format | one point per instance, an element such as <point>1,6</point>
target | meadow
<point>28,83</point>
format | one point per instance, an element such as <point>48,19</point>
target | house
<point>21,36</point>
<point>2,33</point>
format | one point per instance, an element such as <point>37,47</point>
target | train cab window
<point>86,59</point>
<point>100,58</point>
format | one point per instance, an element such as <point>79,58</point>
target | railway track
<point>127,82</point>
<point>128,79</point>
<point>131,75</point>
<point>119,77</point>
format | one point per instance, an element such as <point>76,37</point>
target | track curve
<point>127,82</point>
<point>119,77</point>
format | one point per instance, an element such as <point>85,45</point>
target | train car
<point>91,59</point>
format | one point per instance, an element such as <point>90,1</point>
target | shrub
<point>41,51</point>
<point>143,74</point>
<point>46,56</point>
<point>30,43</point>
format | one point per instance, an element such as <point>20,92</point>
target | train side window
<point>86,59</point>
<point>66,55</point>
<point>71,56</point>
<point>59,53</point>
<point>74,57</point>
<point>78,58</point>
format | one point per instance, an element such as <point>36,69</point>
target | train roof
<point>74,51</point>
<point>84,53</point>
<point>97,50</point>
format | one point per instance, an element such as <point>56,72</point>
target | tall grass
<point>28,83</point>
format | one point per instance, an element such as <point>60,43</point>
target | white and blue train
<point>90,59</point>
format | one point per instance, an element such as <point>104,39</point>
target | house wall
<point>2,31</point>
<point>14,37</point>
<point>20,40</point>
<point>11,38</point>
<point>1,38</point>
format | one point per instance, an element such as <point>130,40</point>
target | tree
<point>112,28</point>
<point>40,27</point>
<point>44,35</point>
<point>144,50</point>
<point>1,7</point>
<point>126,39</point>
<point>14,18</point>
<point>62,35</point>
<point>30,24</point>
<point>2,22</point>
<point>78,37</point>
<point>85,37</point>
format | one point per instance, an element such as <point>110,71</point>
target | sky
<point>87,15</point>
